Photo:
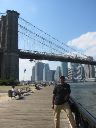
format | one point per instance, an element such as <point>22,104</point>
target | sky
<point>70,21</point>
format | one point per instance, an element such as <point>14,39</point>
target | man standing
<point>61,94</point>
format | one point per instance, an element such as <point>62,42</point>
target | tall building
<point>33,74</point>
<point>45,72</point>
<point>95,71</point>
<point>80,72</point>
<point>64,68</point>
<point>69,73</point>
<point>74,71</point>
<point>48,75</point>
<point>57,73</point>
<point>39,71</point>
<point>89,70</point>
<point>77,71</point>
<point>51,75</point>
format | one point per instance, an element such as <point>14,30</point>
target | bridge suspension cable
<point>39,41</point>
<point>54,42</point>
<point>44,39</point>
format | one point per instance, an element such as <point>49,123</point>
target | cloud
<point>86,42</point>
<point>91,52</point>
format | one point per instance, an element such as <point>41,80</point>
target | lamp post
<point>24,75</point>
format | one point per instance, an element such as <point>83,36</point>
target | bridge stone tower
<point>9,59</point>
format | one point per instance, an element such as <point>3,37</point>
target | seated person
<point>15,92</point>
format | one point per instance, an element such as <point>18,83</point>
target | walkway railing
<point>84,119</point>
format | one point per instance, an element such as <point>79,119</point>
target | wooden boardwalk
<point>34,111</point>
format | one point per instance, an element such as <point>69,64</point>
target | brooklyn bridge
<point>21,39</point>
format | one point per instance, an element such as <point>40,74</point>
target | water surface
<point>85,94</point>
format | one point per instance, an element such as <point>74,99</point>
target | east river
<point>85,94</point>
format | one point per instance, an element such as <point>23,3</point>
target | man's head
<point>13,86</point>
<point>62,79</point>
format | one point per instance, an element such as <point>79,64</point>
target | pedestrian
<point>13,90</point>
<point>61,94</point>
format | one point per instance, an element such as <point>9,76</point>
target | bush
<point>8,82</point>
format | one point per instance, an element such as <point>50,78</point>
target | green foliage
<point>8,82</point>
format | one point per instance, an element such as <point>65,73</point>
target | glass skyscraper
<point>39,71</point>
<point>64,68</point>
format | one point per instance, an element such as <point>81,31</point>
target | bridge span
<point>15,35</point>
<point>53,57</point>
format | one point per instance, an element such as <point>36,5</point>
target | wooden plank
<point>34,111</point>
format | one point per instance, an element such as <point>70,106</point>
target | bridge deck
<point>32,112</point>
<point>41,56</point>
